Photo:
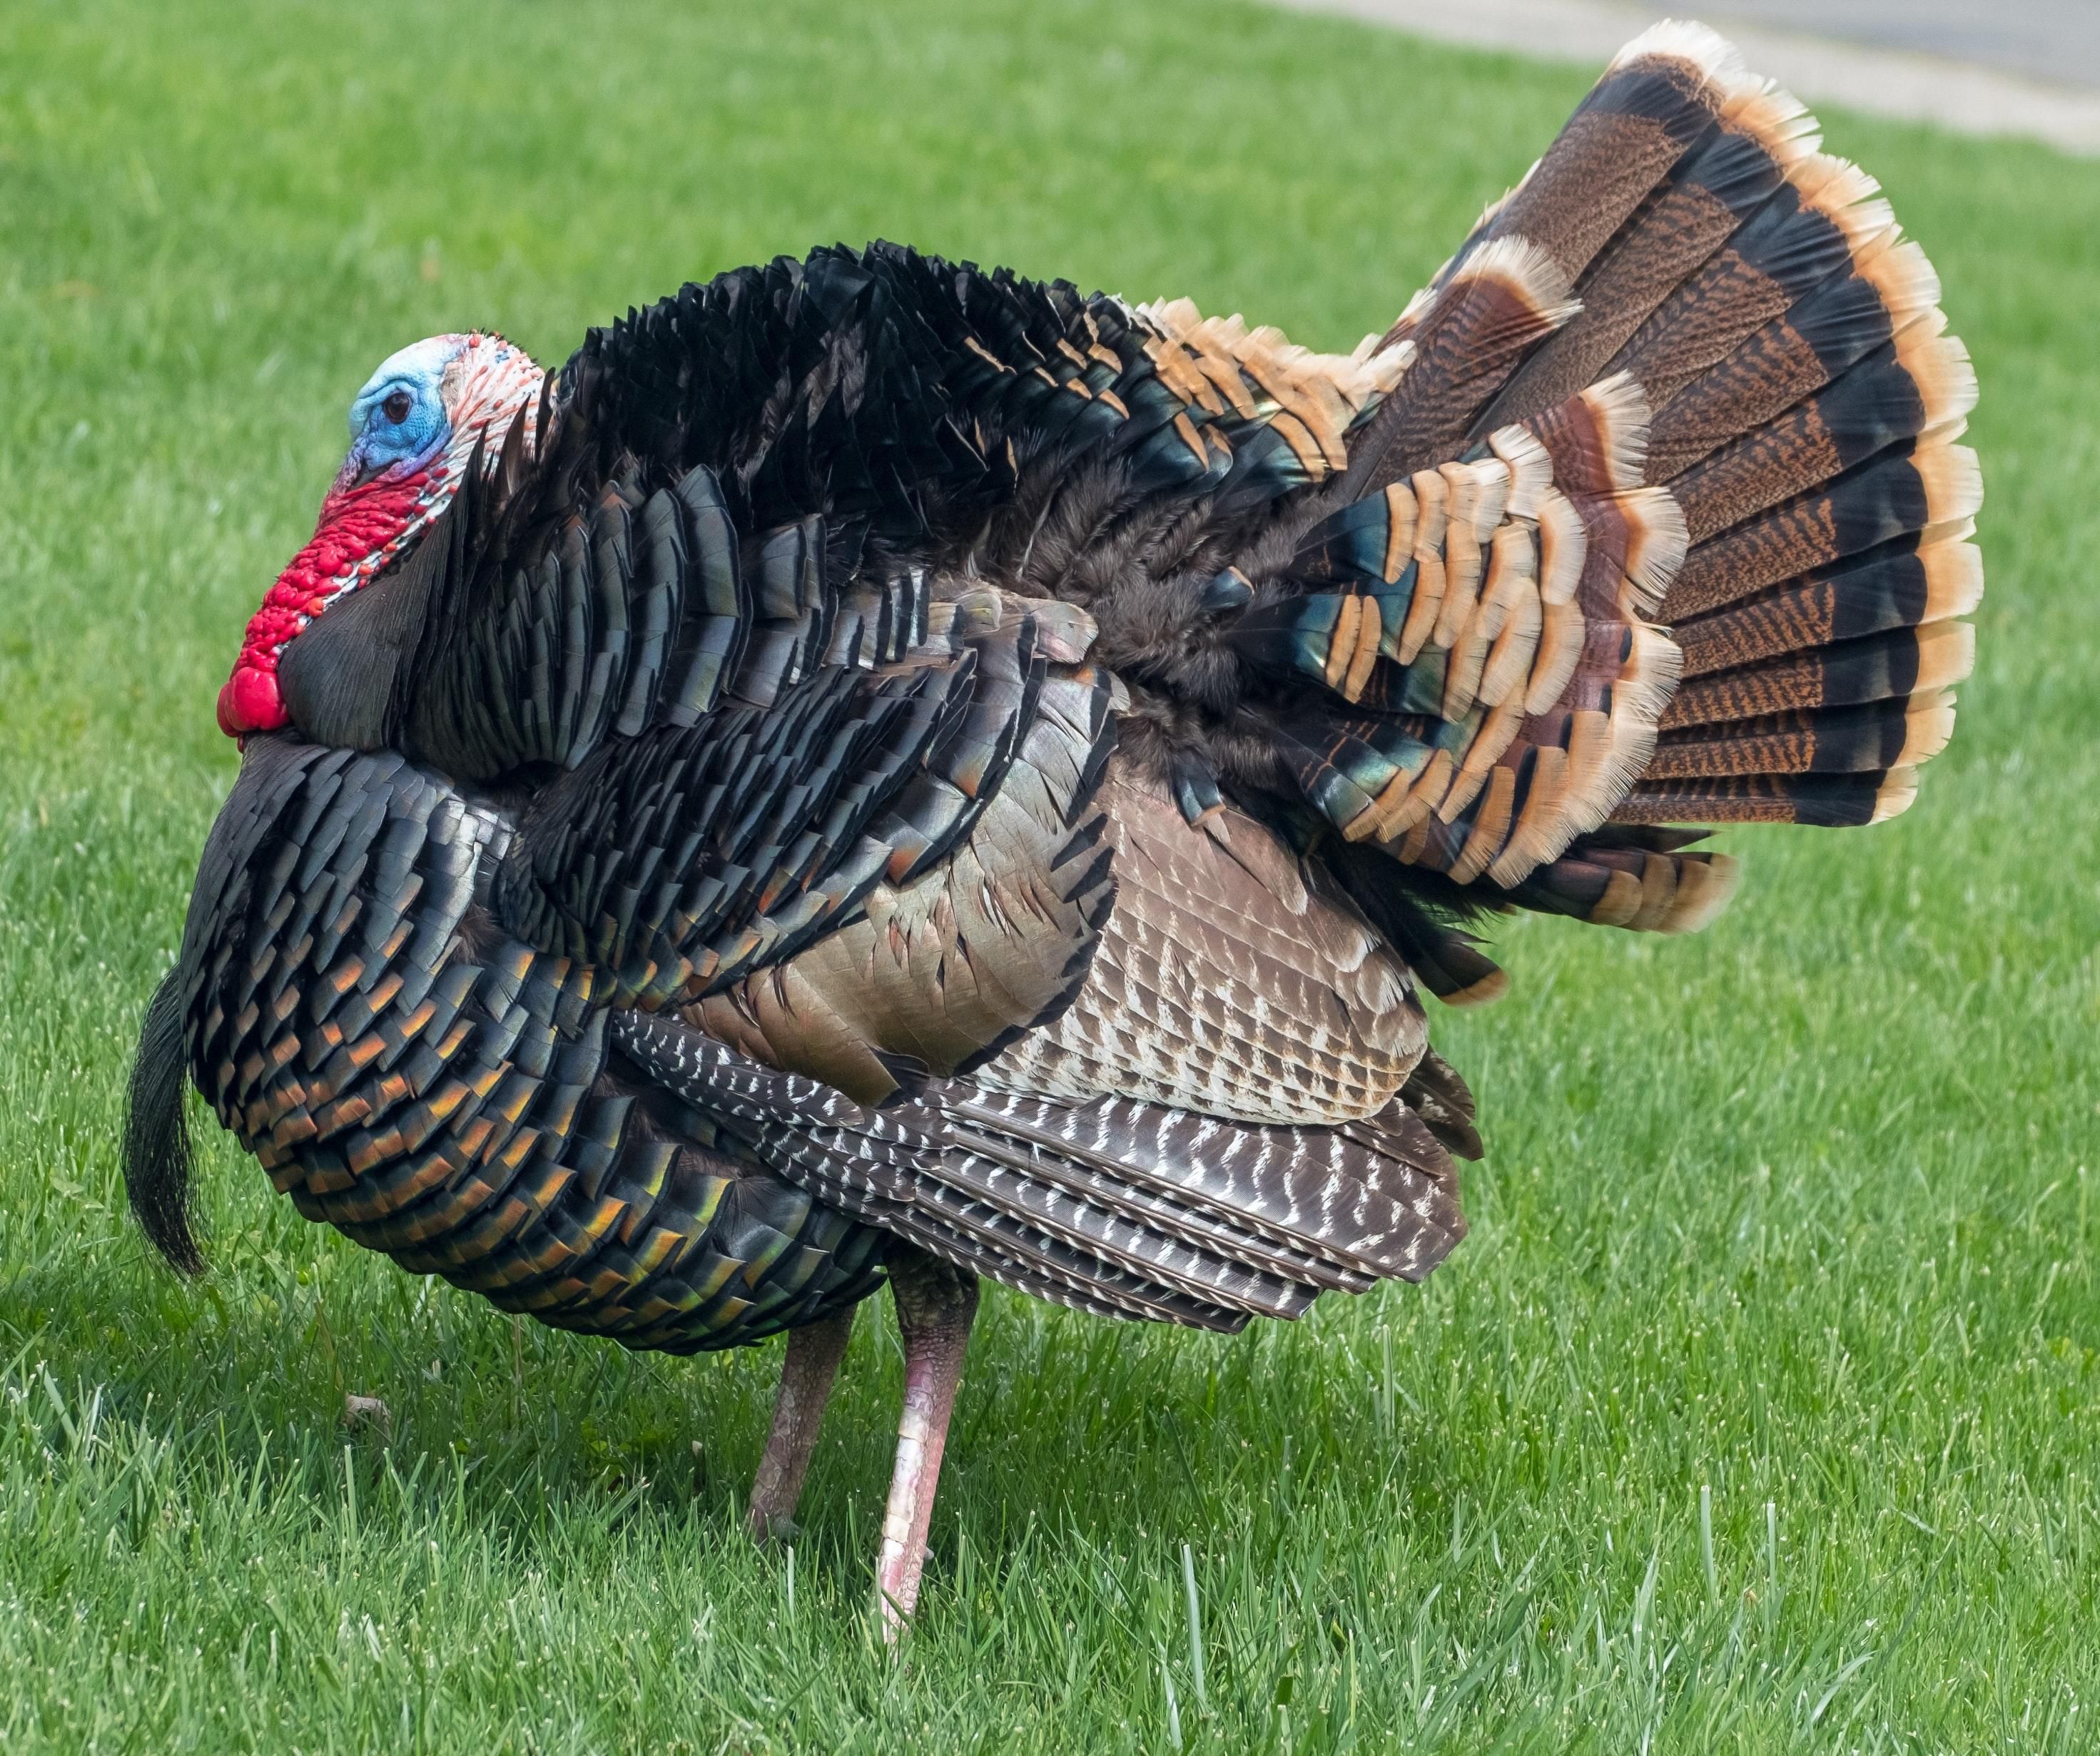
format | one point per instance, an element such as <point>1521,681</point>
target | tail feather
<point>1688,371</point>
<point>1680,226</point>
<point>1897,500</point>
<point>1597,437</point>
<point>1468,338</point>
<point>1613,882</point>
<point>1777,408</point>
<point>1783,254</point>
<point>1758,319</point>
<point>1887,667</point>
<point>1829,801</point>
<point>1858,740</point>
<point>1893,587</point>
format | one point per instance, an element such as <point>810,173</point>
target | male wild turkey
<point>882,769</point>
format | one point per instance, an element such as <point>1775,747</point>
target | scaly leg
<point>935,1306</point>
<point>806,1376</point>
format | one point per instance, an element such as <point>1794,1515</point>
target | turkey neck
<point>342,679</point>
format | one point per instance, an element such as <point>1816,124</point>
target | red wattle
<point>249,702</point>
<point>359,527</point>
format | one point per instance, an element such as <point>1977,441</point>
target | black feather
<point>156,1142</point>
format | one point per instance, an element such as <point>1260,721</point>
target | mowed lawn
<point>1760,1411</point>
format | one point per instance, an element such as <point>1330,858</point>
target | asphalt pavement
<point>2056,40</point>
<point>1989,67</point>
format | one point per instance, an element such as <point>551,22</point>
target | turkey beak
<point>356,469</point>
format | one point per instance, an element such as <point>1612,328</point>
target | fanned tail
<point>1664,523</point>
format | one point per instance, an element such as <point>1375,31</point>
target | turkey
<point>879,771</point>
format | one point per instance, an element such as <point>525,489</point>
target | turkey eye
<point>396,407</point>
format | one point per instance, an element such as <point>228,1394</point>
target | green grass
<point>1797,1212</point>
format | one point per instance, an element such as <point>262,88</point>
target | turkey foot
<point>806,1376</point>
<point>935,1306</point>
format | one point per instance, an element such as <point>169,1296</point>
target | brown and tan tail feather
<point>1703,555</point>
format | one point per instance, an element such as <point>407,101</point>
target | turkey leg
<point>806,1375</point>
<point>935,1306</point>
